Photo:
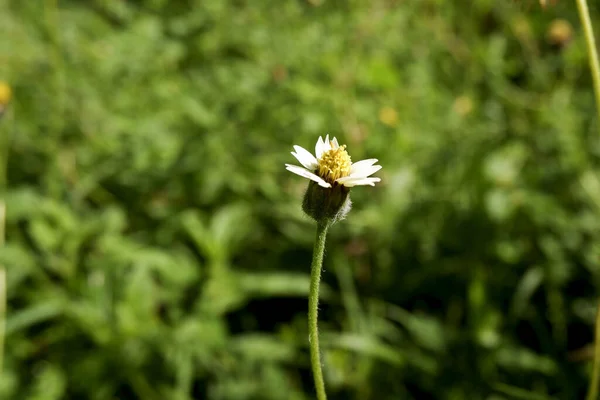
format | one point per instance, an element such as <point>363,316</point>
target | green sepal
<point>326,204</point>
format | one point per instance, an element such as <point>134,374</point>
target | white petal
<point>319,148</point>
<point>358,181</point>
<point>326,144</point>
<point>361,164</point>
<point>305,158</point>
<point>365,171</point>
<point>335,143</point>
<point>307,174</point>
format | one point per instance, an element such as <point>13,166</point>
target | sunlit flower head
<point>331,165</point>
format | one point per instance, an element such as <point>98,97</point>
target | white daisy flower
<point>331,165</point>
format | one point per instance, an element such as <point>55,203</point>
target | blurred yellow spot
<point>522,28</point>
<point>388,116</point>
<point>463,105</point>
<point>544,3</point>
<point>559,33</point>
<point>5,93</point>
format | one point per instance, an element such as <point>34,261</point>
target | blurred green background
<point>156,247</point>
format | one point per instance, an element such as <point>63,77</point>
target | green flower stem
<point>593,389</point>
<point>313,308</point>
<point>586,22</point>
<point>2,290</point>
<point>4,142</point>
<point>3,296</point>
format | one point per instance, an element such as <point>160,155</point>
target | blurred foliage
<point>156,246</point>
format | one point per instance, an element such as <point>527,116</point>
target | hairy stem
<point>313,309</point>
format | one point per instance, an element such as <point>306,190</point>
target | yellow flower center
<point>334,164</point>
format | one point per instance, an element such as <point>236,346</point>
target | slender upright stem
<point>313,308</point>
<point>593,389</point>
<point>2,290</point>
<point>586,22</point>
<point>4,142</point>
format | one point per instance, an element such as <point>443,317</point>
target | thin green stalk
<point>586,22</point>
<point>593,389</point>
<point>2,290</point>
<point>4,142</point>
<point>313,309</point>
